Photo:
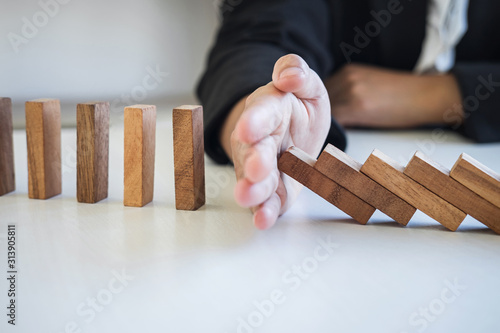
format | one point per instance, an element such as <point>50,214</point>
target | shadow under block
<point>341,168</point>
<point>437,179</point>
<point>92,151</point>
<point>189,163</point>
<point>7,176</point>
<point>43,133</point>
<point>477,177</point>
<point>139,154</point>
<point>300,166</point>
<point>389,174</point>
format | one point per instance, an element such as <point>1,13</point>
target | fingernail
<point>291,71</point>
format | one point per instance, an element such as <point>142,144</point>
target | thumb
<point>292,74</point>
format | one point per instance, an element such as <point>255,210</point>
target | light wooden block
<point>345,171</point>
<point>139,154</point>
<point>300,166</point>
<point>7,174</point>
<point>189,163</point>
<point>477,177</point>
<point>43,133</point>
<point>92,151</point>
<point>437,179</point>
<point>389,174</point>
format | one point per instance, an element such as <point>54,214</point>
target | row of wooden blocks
<point>447,196</point>
<point>43,133</point>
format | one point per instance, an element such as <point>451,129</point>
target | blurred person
<point>295,72</point>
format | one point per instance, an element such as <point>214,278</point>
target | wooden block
<point>43,133</point>
<point>389,174</point>
<point>92,151</point>
<point>189,163</point>
<point>341,168</point>
<point>437,179</point>
<point>300,166</point>
<point>7,176</point>
<point>140,138</point>
<point>479,178</point>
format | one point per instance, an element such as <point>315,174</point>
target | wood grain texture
<point>389,174</point>
<point>477,177</point>
<point>43,133</point>
<point>92,151</point>
<point>437,179</point>
<point>7,173</point>
<point>139,154</point>
<point>341,168</point>
<point>300,166</point>
<point>189,160</point>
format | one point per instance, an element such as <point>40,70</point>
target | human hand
<point>293,109</point>
<point>373,97</point>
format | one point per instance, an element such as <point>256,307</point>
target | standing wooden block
<point>300,166</point>
<point>341,168</point>
<point>389,174</point>
<point>140,137</point>
<point>92,151</point>
<point>437,179</point>
<point>189,162</point>
<point>43,132</point>
<point>7,177</point>
<point>479,178</point>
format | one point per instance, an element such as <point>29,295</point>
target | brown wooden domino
<point>189,163</point>
<point>389,174</point>
<point>477,177</point>
<point>7,176</point>
<point>300,166</point>
<point>43,133</point>
<point>139,154</point>
<point>92,151</point>
<point>344,170</point>
<point>437,179</point>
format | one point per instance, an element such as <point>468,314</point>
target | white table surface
<point>205,271</point>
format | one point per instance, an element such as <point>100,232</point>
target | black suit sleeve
<point>480,87</point>
<point>254,34</point>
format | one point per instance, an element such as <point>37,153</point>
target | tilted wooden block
<point>7,176</point>
<point>344,170</point>
<point>477,177</point>
<point>389,174</point>
<point>139,154</point>
<point>300,166</point>
<point>92,151</point>
<point>189,163</point>
<point>43,133</point>
<point>437,179</point>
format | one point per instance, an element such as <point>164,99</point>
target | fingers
<point>249,194</point>
<point>292,74</point>
<point>267,213</point>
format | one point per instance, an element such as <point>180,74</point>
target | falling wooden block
<point>43,133</point>
<point>341,168</point>
<point>139,161</point>
<point>7,176</point>
<point>389,174</point>
<point>92,151</point>
<point>300,166</point>
<point>189,163</point>
<point>437,179</point>
<point>477,177</point>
